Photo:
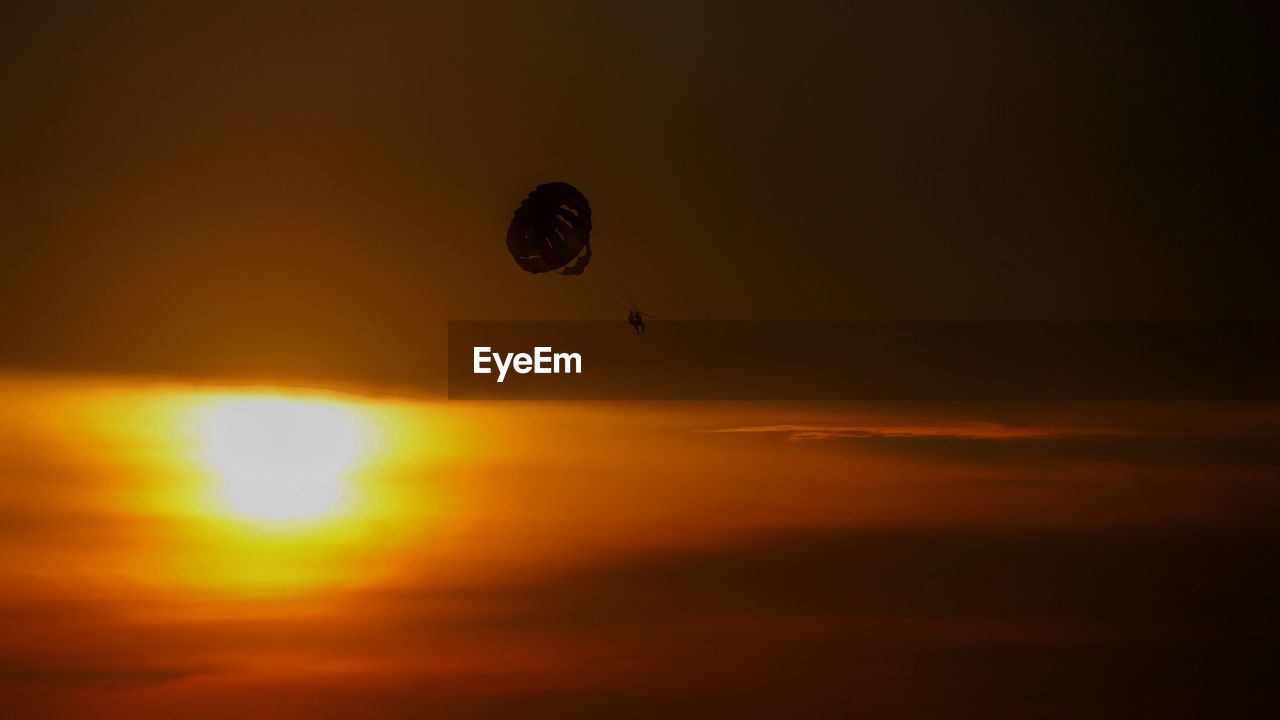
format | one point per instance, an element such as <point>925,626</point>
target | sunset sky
<point>649,560</point>
<point>231,483</point>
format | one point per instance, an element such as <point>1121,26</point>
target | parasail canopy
<point>551,230</point>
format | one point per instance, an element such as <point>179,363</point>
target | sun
<point>281,460</point>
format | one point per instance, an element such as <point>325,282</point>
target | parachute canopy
<point>551,230</point>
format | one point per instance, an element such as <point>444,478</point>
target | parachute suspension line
<point>628,295</point>
<point>762,349</point>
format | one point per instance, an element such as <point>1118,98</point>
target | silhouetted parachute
<point>551,230</point>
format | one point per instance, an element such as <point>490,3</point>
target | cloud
<point>966,431</point>
<point>1071,575</point>
<point>77,675</point>
<point>996,444</point>
<point>849,621</point>
<point>804,623</point>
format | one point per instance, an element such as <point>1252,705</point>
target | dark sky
<point>310,190</point>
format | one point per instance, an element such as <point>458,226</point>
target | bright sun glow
<point>282,460</point>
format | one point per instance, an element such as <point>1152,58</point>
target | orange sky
<point>217,215</point>
<point>308,192</point>
<point>496,559</point>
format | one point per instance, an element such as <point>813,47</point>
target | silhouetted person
<point>636,320</point>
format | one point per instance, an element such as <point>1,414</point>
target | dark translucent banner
<point>863,361</point>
